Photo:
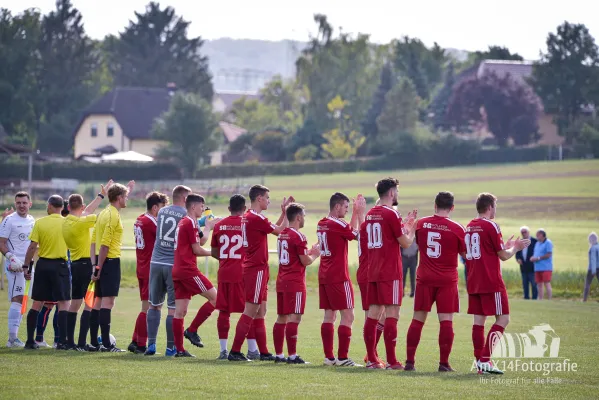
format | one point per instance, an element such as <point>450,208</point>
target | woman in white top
<point>593,264</point>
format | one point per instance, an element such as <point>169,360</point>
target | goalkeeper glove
<point>16,265</point>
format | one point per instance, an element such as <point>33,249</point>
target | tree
<point>271,145</point>
<point>155,49</point>
<point>400,112</point>
<point>567,76</point>
<point>496,53</point>
<point>189,128</point>
<point>342,142</point>
<point>438,106</point>
<point>510,108</point>
<point>369,126</point>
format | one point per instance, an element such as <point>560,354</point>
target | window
<point>110,130</point>
<point>94,130</point>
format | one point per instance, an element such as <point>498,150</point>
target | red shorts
<point>543,276</point>
<point>230,297</point>
<point>255,283</point>
<point>336,296</point>
<point>488,304</point>
<point>447,298</point>
<point>144,288</point>
<point>291,303</point>
<point>387,293</point>
<point>364,295</point>
<point>189,287</point>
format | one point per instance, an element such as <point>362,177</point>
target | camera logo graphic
<point>539,342</point>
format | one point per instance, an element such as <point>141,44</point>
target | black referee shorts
<point>110,278</point>
<point>52,281</point>
<point>81,275</point>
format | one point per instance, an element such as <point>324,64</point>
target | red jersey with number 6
<point>255,229</point>
<point>483,242</point>
<point>440,241</point>
<point>333,235</point>
<point>226,237</point>
<point>383,227</point>
<point>362,274</point>
<point>186,263</point>
<point>292,273</point>
<point>145,237</point>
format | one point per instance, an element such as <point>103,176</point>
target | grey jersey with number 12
<point>168,218</point>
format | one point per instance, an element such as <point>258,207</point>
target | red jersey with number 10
<point>226,237</point>
<point>292,273</point>
<point>186,263</point>
<point>383,227</point>
<point>333,235</point>
<point>144,230</point>
<point>440,241</point>
<point>483,242</point>
<point>362,274</point>
<point>255,229</point>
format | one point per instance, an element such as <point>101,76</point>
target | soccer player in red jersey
<point>294,257</point>
<point>486,290</point>
<point>255,229</point>
<point>440,241</point>
<point>145,236</point>
<point>335,287</point>
<point>227,248</point>
<point>187,279</point>
<point>385,233</point>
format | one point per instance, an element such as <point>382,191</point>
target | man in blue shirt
<point>543,259</point>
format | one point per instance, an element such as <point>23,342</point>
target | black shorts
<point>110,278</point>
<point>81,275</point>
<point>52,281</point>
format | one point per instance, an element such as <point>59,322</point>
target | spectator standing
<point>527,267</point>
<point>543,259</point>
<point>593,264</point>
<point>409,258</point>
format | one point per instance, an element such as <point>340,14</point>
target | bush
<point>306,153</point>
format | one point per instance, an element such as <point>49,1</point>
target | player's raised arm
<point>312,255</point>
<point>282,222</point>
<point>91,207</point>
<point>513,246</point>
<point>407,238</point>
<point>358,214</point>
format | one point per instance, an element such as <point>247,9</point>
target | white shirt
<point>17,229</point>
<point>524,253</point>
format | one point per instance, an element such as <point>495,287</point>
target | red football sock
<point>278,337</point>
<point>134,337</point>
<point>390,335</point>
<point>487,350</point>
<point>414,333</point>
<point>327,333</point>
<point>252,331</point>
<point>370,338</point>
<point>291,336</point>
<point>178,333</point>
<point>260,326</point>
<point>446,336</point>
<point>141,328</point>
<point>379,332</point>
<point>223,324</point>
<point>203,313</point>
<point>344,336</point>
<point>478,340</point>
<point>241,331</point>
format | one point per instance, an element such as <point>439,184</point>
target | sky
<point>522,25</point>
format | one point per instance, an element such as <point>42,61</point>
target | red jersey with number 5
<point>144,230</point>
<point>383,227</point>
<point>362,274</point>
<point>333,235</point>
<point>186,263</point>
<point>255,229</point>
<point>292,273</point>
<point>483,242</point>
<point>440,241</point>
<point>226,237</point>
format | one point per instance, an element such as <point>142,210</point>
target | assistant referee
<point>52,279</point>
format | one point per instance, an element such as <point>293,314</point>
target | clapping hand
<point>286,202</point>
<point>315,250</point>
<point>7,212</point>
<point>130,185</point>
<point>411,219</point>
<point>104,188</point>
<point>213,221</point>
<point>359,204</point>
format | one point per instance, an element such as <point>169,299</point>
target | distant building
<point>223,100</point>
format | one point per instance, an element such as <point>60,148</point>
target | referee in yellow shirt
<point>108,238</point>
<point>52,278</point>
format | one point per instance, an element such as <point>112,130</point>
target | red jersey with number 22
<point>226,237</point>
<point>362,274</point>
<point>333,235</point>
<point>483,242</point>
<point>292,273</point>
<point>255,229</point>
<point>186,264</point>
<point>383,227</point>
<point>145,236</point>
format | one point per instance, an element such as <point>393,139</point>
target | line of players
<point>239,242</point>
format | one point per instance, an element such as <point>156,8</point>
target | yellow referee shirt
<point>46,233</point>
<point>75,231</point>
<point>109,231</point>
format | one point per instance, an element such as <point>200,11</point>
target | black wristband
<point>201,234</point>
<point>100,195</point>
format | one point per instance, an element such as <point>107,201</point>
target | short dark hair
<point>155,198</point>
<point>484,201</point>
<point>258,190</point>
<point>542,232</point>
<point>193,198</point>
<point>337,198</point>
<point>384,185</point>
<point>23,194</point>
<point>115,191</point>
<point>444,200</point>
<point>293,210</point>
<point>180,191</point>
<point>65,209</point>
<point>56,201</point>
<point>75,202</point>
<point>236,203</point>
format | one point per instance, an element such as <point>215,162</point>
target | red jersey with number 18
<point>440,241</point>
<point>292,273</point>
<point>145,237</point>
<point>383,227</point>
<point>186,264</point>
<point>483,242</point>
<point>226,237</point>
<point>362,274</point>
<point>255,229</point>
<point>333,235</point>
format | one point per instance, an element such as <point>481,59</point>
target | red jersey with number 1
<point>255,229</point>
<point>144,230</point>
<point>383,227</point>
<point>333,235</point>
<point>483,242</point>
<point>362,274</point>
<point>227,238</point>
<point>440,241</point>
<point>292,273</point>
<point>186,263</point>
